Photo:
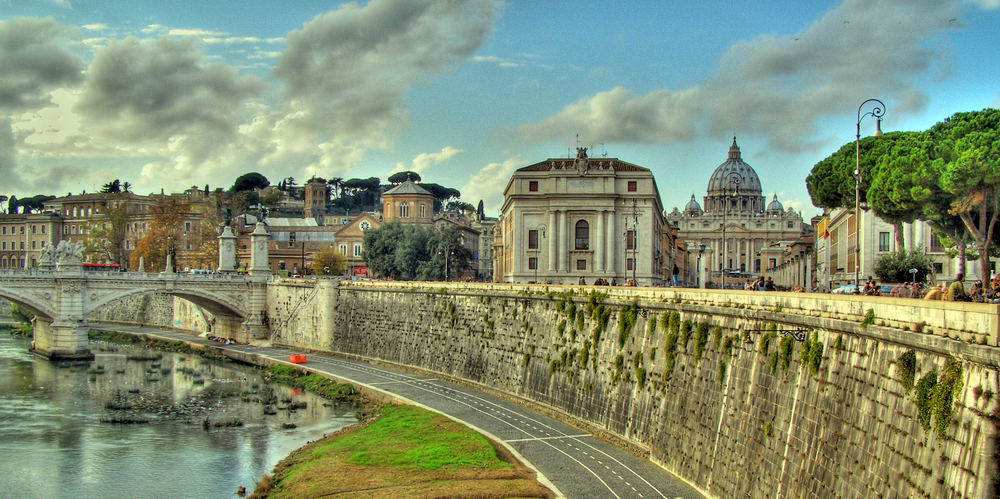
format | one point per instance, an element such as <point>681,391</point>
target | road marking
<point>544,438</point>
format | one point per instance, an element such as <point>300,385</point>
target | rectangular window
<point>22,245</point>
<point>34,229</point>
<point>581,265</point>
<point>43,229</point>
<point>630,240</point>
<point>632,185</point>
<point>187,226</point>
<point>936,245</point>
<point>343,249</point>
<point>33,243</point>
<point>629,264</point>
<point>532,239</point>
<point>291,237</point>
<point>5,245</point>
<point>791,225</point>
<point>938,268</point>
<point>883,241</point>
<point>5,230</point>
<point>532,186</point>
<point>532,263</point>
<point>357,249</point>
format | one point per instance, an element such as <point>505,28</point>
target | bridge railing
<point>125,276</point>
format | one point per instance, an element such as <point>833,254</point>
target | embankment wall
<point>739,393</point>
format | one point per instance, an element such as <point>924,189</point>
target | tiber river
<point>141,423</point>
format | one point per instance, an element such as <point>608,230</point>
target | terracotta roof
<point>408,187</point>
<point>595,164</point>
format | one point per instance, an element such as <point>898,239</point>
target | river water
<point>140,423</point>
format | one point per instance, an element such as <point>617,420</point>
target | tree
<point>410,251</point>
<point>329,261</point>
<point>336,183</point>
<point>457,205</point>
<point>12,205</point>
<point>105,241</point>
<point>895,266</point>
<point>400,177</point>
<point>163,236</point>
<point>249,182</point>
<point>968,159</point>
<point>113,187</point>
<point>33,204</point>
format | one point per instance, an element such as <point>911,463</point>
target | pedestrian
<point>936,293</point>
<point>674,276</point>
<point>769,284</point>
<point>956,290</point>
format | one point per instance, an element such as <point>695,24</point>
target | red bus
<point>102,267</point>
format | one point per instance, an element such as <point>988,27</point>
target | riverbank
<point>409,451</point>
<point>403,451</point>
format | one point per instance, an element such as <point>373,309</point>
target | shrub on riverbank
<point>314,383</point>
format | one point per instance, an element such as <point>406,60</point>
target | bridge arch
<point>215,303</point>
<point>37,306</point>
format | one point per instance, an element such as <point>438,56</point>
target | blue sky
<point>181,93</point>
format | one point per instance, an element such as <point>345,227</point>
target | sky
<point>167,95</point>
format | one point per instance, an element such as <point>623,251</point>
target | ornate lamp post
<point>878,109</point>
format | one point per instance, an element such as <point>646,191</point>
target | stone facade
<point>567,219</point>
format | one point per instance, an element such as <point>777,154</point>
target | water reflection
<point>204,429</point>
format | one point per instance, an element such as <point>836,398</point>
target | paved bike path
<point>574,462</point>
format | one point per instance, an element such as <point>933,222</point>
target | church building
<point>567,219</point>
<point>729,236</point>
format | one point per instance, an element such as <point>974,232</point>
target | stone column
<point>563,239</point>
<point>258,250</point>
<point>227,250</point>
<point>65,338</point>
<point>610,250</point>
<point>599,243</point>
<point>553,237</point>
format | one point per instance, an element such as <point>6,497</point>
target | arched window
<point>423,209</point>
<point>582,235</point>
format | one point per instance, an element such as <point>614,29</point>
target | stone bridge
<point>61,294</point>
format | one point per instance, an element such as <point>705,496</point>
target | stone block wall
<point>760,394</point>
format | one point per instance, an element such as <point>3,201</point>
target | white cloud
<point>780,85</point>
<point>349,70</point>
<point>488,183</point>
<point>425,160</point>
<point>95,27</point>
<point>193,32</point>
<point>987,4</point>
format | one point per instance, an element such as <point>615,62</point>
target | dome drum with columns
<point>735,197</point>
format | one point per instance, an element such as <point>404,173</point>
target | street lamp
<point>447,252</point>
<point>878,109</point>
<point>733,178</point>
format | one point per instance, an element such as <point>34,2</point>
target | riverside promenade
<point>573,463</point>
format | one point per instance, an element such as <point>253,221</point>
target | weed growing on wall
<point>838,344</point>
<point>949,386</point>
<point>925,397</point>
<point>652,354</point>
<point>700,340</point>
<point>773,363</point>
<point>765,340</point>
<point>561,328</point>
<point>907,365</point>
<point>651,325</point>
<point>527,358</point>
<point>617,374</point>
<point>812,353</point>
<point>723,366</point>
<point>686,328</point>
<point>717,336</point>
<point>785,349</point>
<point>674,322</point>
<point>626,321</point>
<point>640,376</point>
<point>579,321</point>
<point>584,355</point>
<point>767,429</point>
<point>869,318</point>
<point>669,352</point>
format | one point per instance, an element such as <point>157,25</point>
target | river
<point>140,423</point>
